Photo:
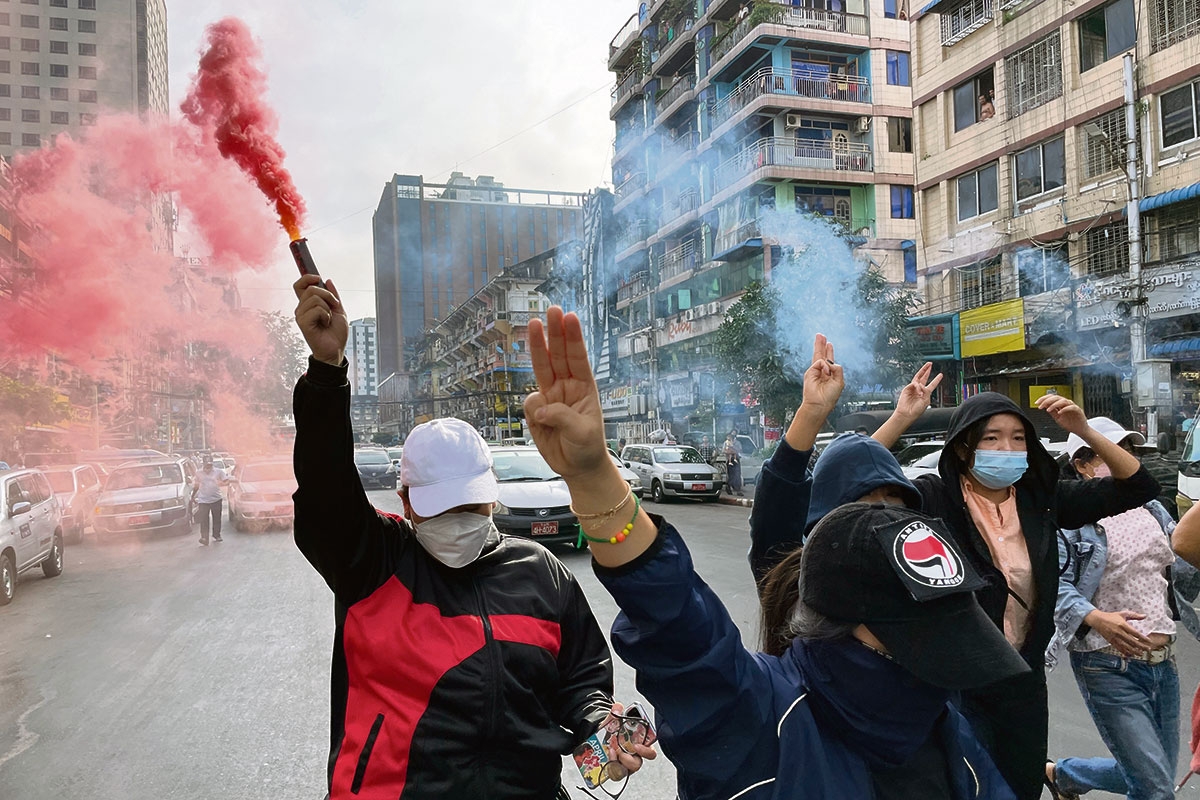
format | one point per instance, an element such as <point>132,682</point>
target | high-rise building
<point>436,245</point>
<point>362,354</point>
<point>62,61</point>
<point>725,111</point>
<point>1024,191</point>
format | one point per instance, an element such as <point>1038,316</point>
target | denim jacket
<point>1082,559</point>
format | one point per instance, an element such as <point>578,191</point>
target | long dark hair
<point>784,616</point>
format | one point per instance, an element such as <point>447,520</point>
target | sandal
<point>1055,792</point>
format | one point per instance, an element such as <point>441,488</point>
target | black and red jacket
<point>446,683</point>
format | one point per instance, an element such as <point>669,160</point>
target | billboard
<point>998,328</point>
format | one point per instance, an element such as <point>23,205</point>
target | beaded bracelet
<point>620,535</point>
<point>604,514</point>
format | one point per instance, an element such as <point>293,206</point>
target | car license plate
<point>139,519</point>
<point>699,487</point>
<point>545,528</point>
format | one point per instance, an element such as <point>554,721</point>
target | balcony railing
<point>623,37</point>
<point>686,202</point>
<point>627,134</point>
<point>637,286</point>
<point>794,17</point>
<point>629,80</point>
<point>635,233</point>
<point>736,235</point>
<point>778,151</point>
<point>678,89</point>
<point>678,147</point>
<point>678,260</point>
<point>961,21</point>
<point>768,80</point>
<point>631,185</point>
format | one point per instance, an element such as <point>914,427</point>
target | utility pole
<point>96,412</point>
<point>1133,218</point>
<point>169,402</point>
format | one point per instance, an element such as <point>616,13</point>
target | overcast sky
<point>368,88</point>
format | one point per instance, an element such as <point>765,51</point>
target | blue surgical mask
<point>999,469</point>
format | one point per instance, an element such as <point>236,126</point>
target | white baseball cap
<point>1106,428</point>
<point>446,463</point>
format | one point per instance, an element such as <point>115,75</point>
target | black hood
<point>1042,472</point>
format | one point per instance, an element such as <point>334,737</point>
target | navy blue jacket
<point>788,503</point>
<point>733,722</point>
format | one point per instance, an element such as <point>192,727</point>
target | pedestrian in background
<point>1121,593</point>
<point>706,449</point>
<point>733,467</point>
<point>206,489</point>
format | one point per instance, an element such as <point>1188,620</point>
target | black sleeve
<point>1082,502</point>
<point>585,667</point>
<point>336,528</point>
<point>781,500</point>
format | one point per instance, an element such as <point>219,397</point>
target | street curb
<point>744,502</point>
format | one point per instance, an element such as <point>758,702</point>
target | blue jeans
<point>1135,706</point>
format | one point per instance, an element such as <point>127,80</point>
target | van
<point>30,529</point>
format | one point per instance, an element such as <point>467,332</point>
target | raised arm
<point>1070,416</point>
<point>910,405</point>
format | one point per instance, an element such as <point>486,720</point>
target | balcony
<point>675,40</point>
<point>961,21</point>
<point>728,241</point>
<point>786,83</point>
<point>682,86</point>
<point>637,286</point>
<point>806,154</point>
<point>627,135</point>
<point>635,234</point>
<point>678,260</point>
<point>630,186</point>
<point>792,17</point>
<point>627,85</point>
<point>624,38</point>
<point>686,202</point>
<point>675,149</point>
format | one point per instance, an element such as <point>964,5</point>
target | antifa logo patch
<point>926,558</point>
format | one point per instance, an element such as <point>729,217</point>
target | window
<point>87,73</point>
<point>30,46</point>
<point>31,93</point>
<point>5,67</point>
<point>5,43</point>
<point>1106,32</point>
<point>900,135</point>
<point>87,95</point>
<point>897,68</point>
<point>1172,232</point>
<point>30,115</point>
<point>30,68</point>
<point>87,48</point>
<point>87,26</point>
<point>59,48</point>
<point>1042,268</point>
<point>87,118</point>
<point>5,90</point>
<point>902,202</point>
<point>1177,111</point>
<point>58,70</point>
<point>5,137</point>
<point>895,9</point>
<point>60,118</point>
<point>1172,21</point>
<point>1103,152</point>
<point>31,140</point>
<point>59,93</point>
<point>1108,250</point>
<point>981,284</point>
<point>5,114</point>
<point>1034,75</point>
<point>962,20</point>
<point>977,192</point>
<point>31,21</point>
<point>824,201</point>
<point>975,100</point>
<point>1039,169</point>
<point>59,24</point>
<point>5,19</point>
<point>58,3</point>
<point>87,5</point>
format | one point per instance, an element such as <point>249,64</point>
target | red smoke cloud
<point>227,98</point>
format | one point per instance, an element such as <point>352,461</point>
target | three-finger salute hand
<point>321,319</point>
<point>916,396</point>
<point>824,380</point>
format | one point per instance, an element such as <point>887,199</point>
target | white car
<point>673,470</point>
<point>76,488</point>
<point>30,529</point>
<point>261,494</point>
<point>628,475</point>
<point>926,459</point>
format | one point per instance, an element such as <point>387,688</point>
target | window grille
<point>961,21</point>
<point>1034,75</point>
<point>981,284</point>
<point>1172,21</point>
<point>1108,250</point>
<point>1106,153</point>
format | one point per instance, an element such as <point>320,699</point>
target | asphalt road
<point>160,669</point>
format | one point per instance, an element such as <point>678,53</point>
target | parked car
<point>31,532</point>
<point>395,453</point>
<point>673,470</point>
<point>76,488</point>
<point>923,463</point>
<point>534,501</point>
<point>375,468</point>
<point>628,475</point>
<point>261,494</point>
<point>146,496</point>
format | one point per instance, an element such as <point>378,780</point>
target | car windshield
<point>152,475</point>
<point>371,457</point>
<point>677,455</point>
<point>521,466</point>
<point>913,453</point>
<point>927,461</point>
<point>394,454</point>
<point>255,473</point>
<point>62,482</point>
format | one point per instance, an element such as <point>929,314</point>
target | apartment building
<point>436,245</point>
<point>725,111</point>
<point>361,352</point>
<point>1022,187</point>
<point>62,62</point>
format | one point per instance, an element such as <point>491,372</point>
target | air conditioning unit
<point>714,307</point>
<point>689,315</point>
<point>792,121</point>
<point>659,324</point>
<point>863,124</point>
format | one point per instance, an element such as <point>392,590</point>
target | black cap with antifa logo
<point>900,573</point>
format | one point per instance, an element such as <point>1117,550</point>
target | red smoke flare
<point>227,97</point>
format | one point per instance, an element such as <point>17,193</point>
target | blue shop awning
<point>1174,348</point>
<point>740,250</point>
<point>1167,198</point>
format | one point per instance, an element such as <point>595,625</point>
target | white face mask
<point>457,539</point>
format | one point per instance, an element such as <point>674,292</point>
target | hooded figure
<point>999,493</point>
